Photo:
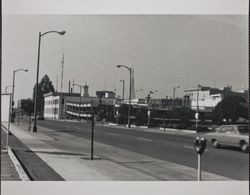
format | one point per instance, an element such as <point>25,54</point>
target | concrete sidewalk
<point>8,169</point>
<point>58,150</point>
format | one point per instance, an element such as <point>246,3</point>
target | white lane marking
<point>140,138</point>
<point>190,147</point>
<point>115,134</point>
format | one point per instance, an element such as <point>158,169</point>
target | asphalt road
<point>227,162</point>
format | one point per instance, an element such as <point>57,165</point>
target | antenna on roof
<point>62,73</point>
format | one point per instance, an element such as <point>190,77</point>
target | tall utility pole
<point>80,99</point>
<point>130,82</point>
<point>62,73</point>
<point>174,91</point>
<point>37,74</point>
<point>56,83</point>
<point>123,87</point>
<point>197,108</point>
<point>13,92</point>
<point>149,105</point>
<point>73,85</point>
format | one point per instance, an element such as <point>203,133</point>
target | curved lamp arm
<point>53,31</point>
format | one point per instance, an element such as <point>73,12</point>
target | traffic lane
<point>230,163</point>
<point>83,127</point>
<point>173,148</point>
<point>107,134</point>
<point>187,141</point>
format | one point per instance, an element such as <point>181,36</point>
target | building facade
<point>55,104</point>
<point>204,99</point>
<point>73,106</point>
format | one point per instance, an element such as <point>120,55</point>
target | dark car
<point>38,117</point>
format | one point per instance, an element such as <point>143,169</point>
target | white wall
<point>50,106</point>
<point>5,109</point>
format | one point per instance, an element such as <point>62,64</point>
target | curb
<point>18,166</point>
<point>4,129</point>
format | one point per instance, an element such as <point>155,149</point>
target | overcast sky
<point>164,50</point>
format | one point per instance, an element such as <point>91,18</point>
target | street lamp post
<point>6,88</point>
<point>37,74</point>
<point>149,109</point>
<point>197,108</point>
<point>123,87</point>
<point>149,105</point>
<point>174,91</point>
<point>13,92</point>
<point>80,100</point>
<point>129,106</point>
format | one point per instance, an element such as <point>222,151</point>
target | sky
<point>164,50</point>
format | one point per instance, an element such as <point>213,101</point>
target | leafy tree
<point>141,116</point>
<point>45,86</point>
<point>27,106</point>
<point>184,114</point>
<point>123,113</point>
<point>230,108</point>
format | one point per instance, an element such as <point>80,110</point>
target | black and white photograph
<point>155,98</point>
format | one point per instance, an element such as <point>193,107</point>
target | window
<point>243,129</point>
<point>229,129</point>
<point>222,130</point>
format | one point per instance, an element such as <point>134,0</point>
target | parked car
<point>38,117</point>
<point>230,135</point>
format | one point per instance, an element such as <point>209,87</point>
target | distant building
<point>204,99</point>
<point>105,94</point>
<point>55,104</point>
<point>58,105</point>
<point>85,90</point>
<point>158,104</point>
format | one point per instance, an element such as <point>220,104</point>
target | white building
<point>59,105</point>
<point>204,99</point>
<point>55,104</point>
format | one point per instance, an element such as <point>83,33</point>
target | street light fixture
<point>37,73</point>
<point>174,91</point>
<point>79,113</point>
<point>129,106</point>
<point>13,92</point>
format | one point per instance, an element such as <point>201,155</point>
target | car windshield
<point>243,129</point>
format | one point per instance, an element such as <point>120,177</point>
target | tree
<point>27,106</point>
<point>45,86</point>
<point>123,113</point>
<point>230,108</point>
<point>184,114</point>
<point>141,116</point>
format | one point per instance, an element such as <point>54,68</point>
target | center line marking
<point>115,134</point>
<point>140,138</point>
<point>188,147</point>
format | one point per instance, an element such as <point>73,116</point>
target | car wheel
<point>244,147</point>
<point>215,144</point>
